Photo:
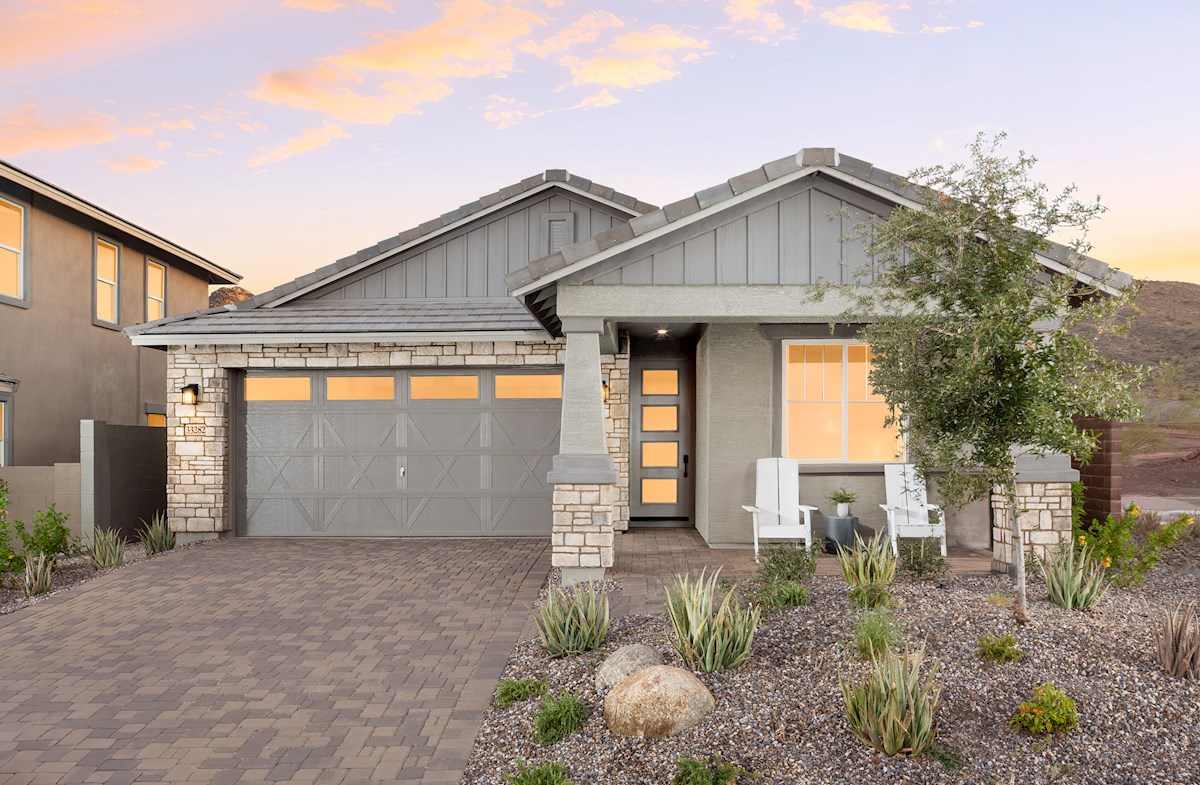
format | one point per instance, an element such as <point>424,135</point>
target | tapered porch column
<point>583,473</point>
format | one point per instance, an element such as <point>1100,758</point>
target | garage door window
<point>278,388</point>
<point>539,385</point>
<point>445,388</point>
<point>360,388</point>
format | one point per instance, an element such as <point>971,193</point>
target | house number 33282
<point>194,430</point>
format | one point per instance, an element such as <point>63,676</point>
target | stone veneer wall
<point>583,526</point>
<point>198,436</point>
<point>1045,522</point>
<point>615,369</point>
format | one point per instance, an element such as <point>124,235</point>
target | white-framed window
<point>830,412</point>
<point>156,290</point>
<point>108,287</point>
<point>12,250</point>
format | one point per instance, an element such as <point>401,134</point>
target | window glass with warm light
<point>528,385</point>
<point>360,388</point>
<point>278,388</point>
<point>156,291</point>
<point>108,266</point>
<point>830,411</point>
<point>156,420</point>
<point>660,418</point>
<point>660,382</point>
<point>12,249</point>
<point>444,388</point>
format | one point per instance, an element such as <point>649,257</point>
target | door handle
<point>685,467</point>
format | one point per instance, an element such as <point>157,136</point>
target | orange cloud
<point>133,164</point>
<point>584,30</point>
<point>404,69</point>
<point>863,15</point>
<point>636,59</point>
<point>749,20</point>
<point>659,38</point>
<point>24,129</point>
<point>326,6</point>
<point>139,130</point>
<point>183,125</point>
<point>305,142</point>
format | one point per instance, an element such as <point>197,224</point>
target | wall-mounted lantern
<point>191,394</point>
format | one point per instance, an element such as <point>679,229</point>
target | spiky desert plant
<point>710,633</point>
<point>107,550</point>
<point>1177,638</point>
<point>157,537</point>
<point>39,573</point>
<point>895,708</point>
<point>1073,578</point>
<point>869,561</point>
<point>573,621</point>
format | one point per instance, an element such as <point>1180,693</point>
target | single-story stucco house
<point>559,359</point>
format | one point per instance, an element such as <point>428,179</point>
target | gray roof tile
<point>717,193</point>
<point>684,207</point>
<point>748,180</point>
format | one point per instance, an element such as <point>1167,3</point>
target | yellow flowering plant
<point>1129,546</point>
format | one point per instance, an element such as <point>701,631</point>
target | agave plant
<point>710,635</point>
<point>869,562</point>
<point>157,537</point>
<point>39,572</point>
<point>1073,578</point>
<point>895,709</point>
<point>1178,641</point>
<point>108,549</point>
<point>572,622</point>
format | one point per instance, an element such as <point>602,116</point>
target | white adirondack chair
<point>777,512</point>
<point>908,506</point>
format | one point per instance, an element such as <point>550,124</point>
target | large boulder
<point>657,702</point>
<point>624,662</point>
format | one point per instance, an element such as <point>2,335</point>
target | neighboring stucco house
<point>555,358</point>
<point>72,275</point>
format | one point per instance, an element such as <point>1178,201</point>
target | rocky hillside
<point>227,295</point>
<point>1166,330</point>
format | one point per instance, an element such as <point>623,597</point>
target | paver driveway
<point>279,660</point>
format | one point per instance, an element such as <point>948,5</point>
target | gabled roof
<point>349,320</point>
<point>810,161</point>
<point>488,203</point>
<point>215,273</point>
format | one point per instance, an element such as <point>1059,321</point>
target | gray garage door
<point>397,452</point>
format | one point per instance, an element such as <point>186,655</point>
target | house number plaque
<point>194,430</point>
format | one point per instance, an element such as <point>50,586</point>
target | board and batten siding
<point>798,235</point>
<point>473,261</point>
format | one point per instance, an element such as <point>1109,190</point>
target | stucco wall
<point>33,488</point>
<point>69,368</point>
<point>734,428</point>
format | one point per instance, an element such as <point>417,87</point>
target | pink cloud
<point>24,129</point>
<point>863,15</point>
<point>584,30</point>
<point>133,164</point>
<point>636,59</point>
<point>305,142</point>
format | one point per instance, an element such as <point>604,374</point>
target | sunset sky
<point>274,136</point>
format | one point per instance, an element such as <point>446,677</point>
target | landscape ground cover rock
<point>657,702</point>
<point>623,662</point>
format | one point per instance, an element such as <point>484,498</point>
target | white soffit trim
<point>368,337</point>
<point>461,222</point>
<point>654,234</point>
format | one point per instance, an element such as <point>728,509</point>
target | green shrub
<point>1177,642</point>
<point>558,718</point>
<point>1049,710</point>
<point>922,558</point>
<point>710,633</point>
<point>107,550</point>
<point>157,536</point>
<point>787,561</point>
<point>1130,546</point>
<point>870,595</point>
<point>50,534</point>
<point>543,774</point>
<point>894,710</point>
<point>995,648</point>
<point>1074,579</point>
<point>573,621</point>
<point>777,594</point>
<point>11,562</point>
<point>39,574</point>
<point>513,691</point>
<point>709,772</point>
<point>843,496</point>
<point>868,562</point>
<point>875,634</point>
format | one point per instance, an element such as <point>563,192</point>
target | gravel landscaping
<point>781,714</point>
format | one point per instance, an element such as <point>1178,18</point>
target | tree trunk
<point>1018,549</point>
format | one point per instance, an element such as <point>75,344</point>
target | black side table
<point>839,532</point>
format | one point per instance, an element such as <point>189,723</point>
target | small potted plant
<point>843,499</point>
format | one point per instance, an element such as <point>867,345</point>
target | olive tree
<point>980,350</point>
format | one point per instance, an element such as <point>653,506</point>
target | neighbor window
<point>156,420</point>
<point>830,411</point>
<point>108,290</point>
<point>12,249</point>
<point>156,291</point>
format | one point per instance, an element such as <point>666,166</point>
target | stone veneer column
<point>1044,502</point>
<point>583,474</point>
<point>616,427</point>
<point>197,445</point>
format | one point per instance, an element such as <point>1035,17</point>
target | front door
<point>661,457</point>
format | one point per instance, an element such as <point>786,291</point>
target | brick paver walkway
<point>338,661</point>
